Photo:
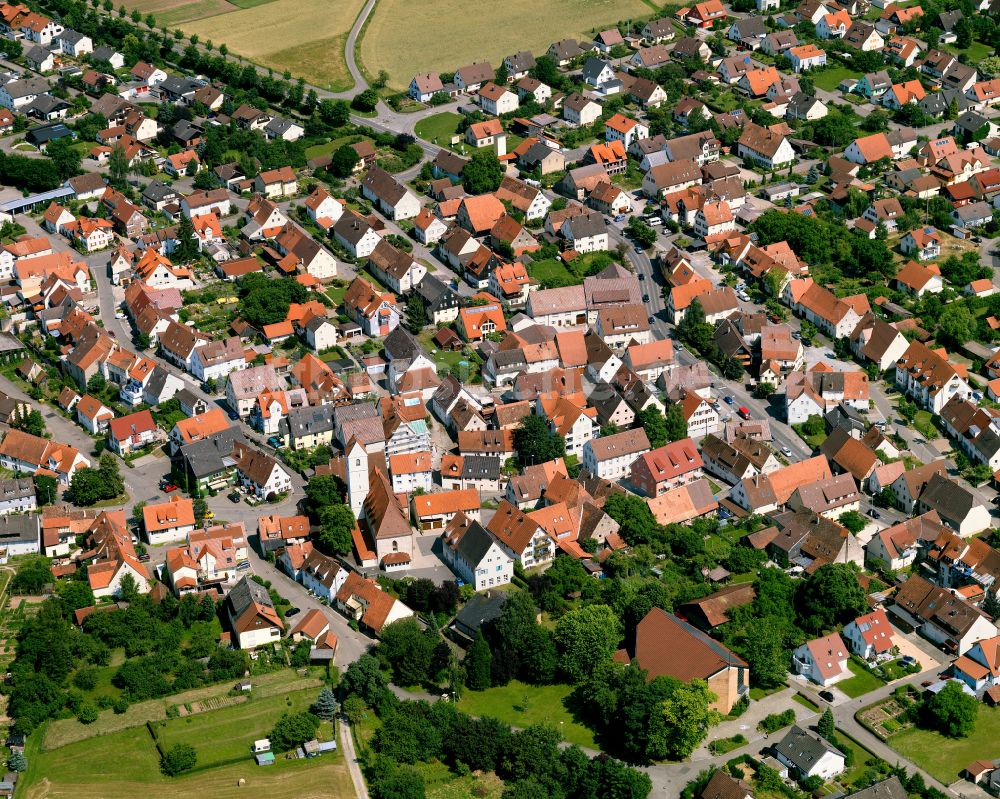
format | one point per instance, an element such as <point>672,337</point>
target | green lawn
<point>942,757</point>
<point>522,705</point>
<point>924,425</point>
<point>552,273</point>
<point>829,79</point>
<point>806,702</point>
<point>231,730</point>
<point>330,147</point>
<point>439,128</point>
<point>336,294</point>
<point>861,683</point>
<point>976,52</point>
<point>757,693</point>
<point>861,756</point>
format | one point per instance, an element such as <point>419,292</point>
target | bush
<point>87,714</point>
<point>179,758</point>
<point>120,705</point>
<point>775,721</point>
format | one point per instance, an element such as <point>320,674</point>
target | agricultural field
<point>126,764</point>
<point>457,37</point>
<point>304,37</point>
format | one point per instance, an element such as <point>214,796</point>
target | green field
<point>438,128</point>
<point>521,705</point>
<point>829,79</point>
<point>232,730</point>
<point>976,52</point>
<point>943,758</point>
<point>861,756</point>
<point>126,764</point>
<point>330,147</point>
<point>552,273</point>
<point>861,683</point>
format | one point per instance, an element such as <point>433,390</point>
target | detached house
<point>392,197</point>
<point>277,183</point>
<point>822,660</point>
<point>765,147</point>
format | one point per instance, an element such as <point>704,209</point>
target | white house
<point>822,660</point>
<point>475,554</point>
<point>809,755</point>
<point>611,457</point>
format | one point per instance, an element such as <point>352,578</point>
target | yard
<point>551,273</point>
<point>977,51</point>
<point>61,732</point>
<point>830,78</point>
<point>521,705</point>
<point>943,758</point>
<point>304,37</point>
<point>125,764</point>
<point>439,128</point>
<point>923,424</point>
<point>398,31</point>
<point>232,729</point>
<point>861,683</point>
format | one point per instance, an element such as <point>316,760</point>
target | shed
<point>265,759</point>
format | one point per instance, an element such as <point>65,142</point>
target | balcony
<point>131,393</point>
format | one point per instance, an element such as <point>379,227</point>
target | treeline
<point>529,761</point>
<point>164,646</point>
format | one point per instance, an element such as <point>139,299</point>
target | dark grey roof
<point>177,86</point>
<point>474,543</point>
<point>37,54</point>
<point>23,529</point>
<point>158,191</point>
<point>279,126</point>
<point>311,420</point>
<point>245,593</point>
<point>184,129</point>
<point>949,18</point>
<point>751,27</point>
<point>213,454</point>
<point>971,121</point>
<point>46,104</point>
<point>803,748</point>
<point>480,467</point>
<point>586,225</point>
<point>103,54</point>
<point>520,62</point>
<point>157,383</point>
<point>343,414</point>
<point>593,67</point>
<point>16,488</point>
<point>436,293</point>
<point>400,344</point>
<point>71,36</point>
<point>481,609</point>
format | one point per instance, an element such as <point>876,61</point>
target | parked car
<point>908,660</point>
<point>234,496</point>
<point>642,276</point>
<point>144,558</point>
<point>874,513</point>
<point>291,612</point>
<point>645,298</point>
<point>276,442</point>
<point>728,400</point>
<point>744,412</point>
<point>168,488</point>
<point>826,696</point>
<point>786,451</point>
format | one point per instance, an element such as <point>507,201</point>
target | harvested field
<point>404,37</point>
<point>304,37</point>
<point>174,12</point>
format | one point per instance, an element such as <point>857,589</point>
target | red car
<point>169,487</point>
<point>744,412</point>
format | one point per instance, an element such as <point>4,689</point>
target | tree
<point>483,173</point>
<point>46,488</point>
<point>17,762</point>
<point>326,705</point>
<point>478,664</point>
<point>65,158</point>
<point>178,759</point>
<point>651,420</point>
<point>407,650</point>
<point>763,646</point>
<point>950,711</point>
<point>364,677</point>
<point>688,716</point>
<point>632,513</point>
<point>336,527</point>
<point>86,487</point>
<point>963,34</point>
<point>957,324</point>
<point>292,730</point>
<point>826,726</point>
<point>187,242</point>
<point>675,424</point>
<point>75,594</point>
<point>640,232</point>
<point>853,521</point>
<point>322,490</point>
<point>32,422</point>
<point>366,100</point>
<point>416,313</point>
<point>585,637</point>
<point>344,160</point>
<point>535,443</point>
<point>118,166</point>
<point>832,595</point>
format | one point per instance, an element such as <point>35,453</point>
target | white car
<point>786,451</point>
